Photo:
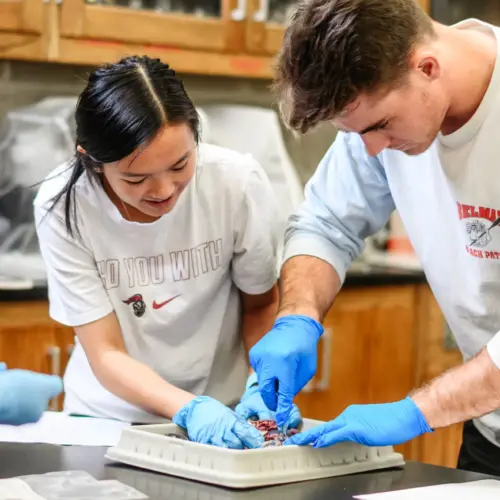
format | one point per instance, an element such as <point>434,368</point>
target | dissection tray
<point>149,447</point>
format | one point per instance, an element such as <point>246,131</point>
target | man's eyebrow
<point>370,128</point>
<point>183,158</point>
<point>375,126</point>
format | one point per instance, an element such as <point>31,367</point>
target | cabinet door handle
<point>324,382</point>
<point>240,13</point>
<point>55,360</point>
<point>262,15</point>
<point>55,369</point>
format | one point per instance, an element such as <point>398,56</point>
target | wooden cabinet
<point>98,21</point>
<point>30,340</point>
<point>23,26</point>
<point>239,26</point>
<point>21,16</point>
<point>92,33</point>
<point>265,26</point>
<point>236,38</point>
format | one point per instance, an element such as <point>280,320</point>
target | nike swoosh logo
<point>157,305</point>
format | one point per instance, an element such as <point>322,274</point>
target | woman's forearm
<point>259,315</point>
<point>138,384</point>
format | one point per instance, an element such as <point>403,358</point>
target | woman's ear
<point>81,150</point>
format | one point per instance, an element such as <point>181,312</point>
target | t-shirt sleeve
<point>346,200</point>
<point>254,263</point>
<point>76,293</point>
<point>493,348</point>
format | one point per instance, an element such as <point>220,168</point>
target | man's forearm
<point>468,391</point>
<point>308,286</point>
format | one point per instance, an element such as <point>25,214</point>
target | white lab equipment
<point>256,130</point>
<point>34,140</point>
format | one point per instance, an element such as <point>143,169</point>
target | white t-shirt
<point>448,199</point>
<point>450,225</point>
<point>173,283</point>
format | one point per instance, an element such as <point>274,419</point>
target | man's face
<point>407,118</point>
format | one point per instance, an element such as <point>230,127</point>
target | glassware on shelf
<point>197,8</point>
<point>453,11</point>
<point>281,10</point>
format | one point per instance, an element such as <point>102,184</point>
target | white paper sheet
<point>59,428</point>
<point>477,490</point>
<point>15,489</point>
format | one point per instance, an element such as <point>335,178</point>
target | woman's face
<point>148,183</point>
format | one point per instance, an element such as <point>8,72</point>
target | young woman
<point>161,254</point>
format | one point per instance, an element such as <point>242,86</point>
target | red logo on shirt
<point>159,305</point>
<point>138,304</point>
<point>479,222</point>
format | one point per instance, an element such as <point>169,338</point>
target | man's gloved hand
<point>208,421</point>
<point>285,360</point>
<point>252,405</point>
<point>372,425</point>
<point>24,395</point>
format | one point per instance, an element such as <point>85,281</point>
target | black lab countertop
<point>24,459</point>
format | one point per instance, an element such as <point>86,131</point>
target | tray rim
<point>138,429</point>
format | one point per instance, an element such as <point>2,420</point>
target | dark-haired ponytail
<point>78,166</point>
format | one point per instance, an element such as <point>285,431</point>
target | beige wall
<point>24,83</point>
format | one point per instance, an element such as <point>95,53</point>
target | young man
<point>418,109</point>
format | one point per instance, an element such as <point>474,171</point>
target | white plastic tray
<point>146,446</point>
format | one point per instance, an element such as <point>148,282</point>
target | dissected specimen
<point>271,433</point>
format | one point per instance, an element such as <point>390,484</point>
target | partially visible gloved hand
<point>285,360</point>
<point>252,405</point>
<point>208,421</point>
<point>372,425</point>
<point>24,395</point>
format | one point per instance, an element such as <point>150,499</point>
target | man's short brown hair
<point>335,49</point>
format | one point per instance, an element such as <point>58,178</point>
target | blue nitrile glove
<point>208,421</point>
<point>285,360</point>
<point>24,395</point>
<point>252,406</point>
<point>372,425</point>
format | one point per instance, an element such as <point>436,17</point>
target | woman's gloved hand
<point>208,421</point>
<point>252,406</point>
<point>24,395</point>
